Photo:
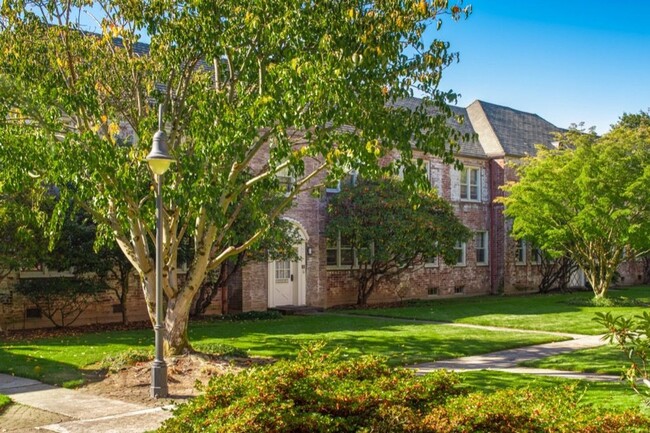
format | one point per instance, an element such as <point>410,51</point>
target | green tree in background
<point>255,92</point>
<point>589,200</point>
<point>391,232</point>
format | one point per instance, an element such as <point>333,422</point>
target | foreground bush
<point>321,392</point>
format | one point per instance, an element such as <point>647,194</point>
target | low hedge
<point>324,392</point>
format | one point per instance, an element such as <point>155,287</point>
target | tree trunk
<point>125,291</point>
<point>363,293</point>
<point>177,317</point>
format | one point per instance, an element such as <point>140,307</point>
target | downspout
<point>493,265</point>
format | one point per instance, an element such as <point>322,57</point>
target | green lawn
<point>555,312</point>
<point>66,360</point>
<point>602,360</point>
<point>4,402</point>
<point>600,395</point>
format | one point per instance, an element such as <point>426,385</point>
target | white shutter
<point>454,176</point>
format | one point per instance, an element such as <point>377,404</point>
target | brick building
<point>492,262</point>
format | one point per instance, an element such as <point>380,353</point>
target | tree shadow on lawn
<point>402,342</point>
<point>471,309</point>
<point>47,370</point>
<point>69,361</point>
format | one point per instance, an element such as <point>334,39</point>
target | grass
<point>600,360</point>
<point>551,312</point>
<point>600,395</point>
<point>4,402</point>
<point>68,360</point>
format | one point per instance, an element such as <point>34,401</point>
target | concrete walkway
<point>67,411</point>
<point>507,360</point>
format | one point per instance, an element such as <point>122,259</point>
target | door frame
<point>301,265</point>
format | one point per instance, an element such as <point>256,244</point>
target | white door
<point>287,281</point>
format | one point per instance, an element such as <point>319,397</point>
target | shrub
<point>321,392</point>
<point>61,300</point>
<point>318,392</point>
<point>122,360</point>
<point>632,336</point>
<point>527,411</point>
<point>246,316</point>
<point>617,301</point>
<point>224,350</point>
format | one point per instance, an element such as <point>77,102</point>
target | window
<point>481,247</point>
<point>340,252</point>
<point>33,313</point>
<point>432,291</point>
<point>431,262</point>
<point>536,254</point>
<point>349,179</point>
<point>520,252</point>
<point>286,181</point>
<point>470,184</point>
<point>461,250</point>
<point>434,177</point>
<point>282,271</point>
<point>426,167</point>
<point>459,290</point>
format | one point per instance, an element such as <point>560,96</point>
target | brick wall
<point>18,314</point>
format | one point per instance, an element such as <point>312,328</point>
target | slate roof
<point>467,148</point>
<point>505,131</point>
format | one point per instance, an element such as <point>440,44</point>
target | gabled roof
<point>505,131</point>
<point>467,148</point>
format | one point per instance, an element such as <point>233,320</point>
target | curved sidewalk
<point>508,360</point>
<point>74,411</point>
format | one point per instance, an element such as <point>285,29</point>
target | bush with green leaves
<point>122,360</point>
<point>631,335</point>
<point>326,392</point>
<point>223,350</point>
<point>527,411</point>
<point>61,300</point>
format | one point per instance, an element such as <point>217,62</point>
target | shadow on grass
<point>402,342</point>
<point>73,360</point>
<point>48,371</point>
<point>550,312</point>
<point>68,361</point>
<point>616,396</point>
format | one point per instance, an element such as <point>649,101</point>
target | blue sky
<point>568,61</point>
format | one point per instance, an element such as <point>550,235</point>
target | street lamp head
<point>159,159</point>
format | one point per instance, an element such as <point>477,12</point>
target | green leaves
<point>588,200</point>
<point>253,91</point>
<point>392,230</point>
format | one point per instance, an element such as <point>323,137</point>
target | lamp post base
<point>159,379</point>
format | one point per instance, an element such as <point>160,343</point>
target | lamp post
<point>159,161</point>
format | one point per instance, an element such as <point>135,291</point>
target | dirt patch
<point>19,418</point>
<point>132,384</point>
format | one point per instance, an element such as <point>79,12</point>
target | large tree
<point>391,231</point>
<point>589,199</point>
<point>254,92</point>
